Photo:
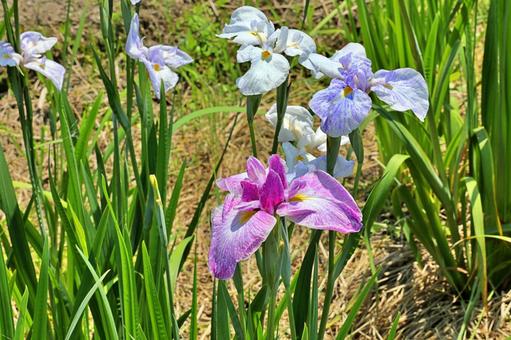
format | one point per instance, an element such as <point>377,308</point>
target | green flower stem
<point>282,95</point>
<point>252,106</point>
<point>272,254</point>
<point>333,145</point>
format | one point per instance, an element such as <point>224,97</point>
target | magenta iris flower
<point>346,102</point>
<point>255,200</point>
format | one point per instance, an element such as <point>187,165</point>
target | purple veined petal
<point>158,74</point>
<point>271,193</point>
<point>232,183</point>
<point>169,55</point>
<point>341,108</point>
<point>266,73</point>
<point>256,171</point>
<point>50,69</point>
<point>319,201</point>
<point>403,89</point>
<point>276,164</point>
<point>235,236</point>
<point>134,45</point>
<point>33,44</point>
<point>249,191</point>
<point>8,57</point>
<point>248,206</point>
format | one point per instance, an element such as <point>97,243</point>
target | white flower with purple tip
<point>248,215</point>
<point>345,103</point>
<point>33,46</point>
<point>160,60</point>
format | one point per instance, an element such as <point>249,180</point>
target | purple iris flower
<point>346,102</point>
<point>249,213</point>
<point>33,46</point>
<point>160,60</point>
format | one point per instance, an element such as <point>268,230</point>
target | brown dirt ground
<point>428,309</point>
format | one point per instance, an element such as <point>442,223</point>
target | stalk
<point>252,106</point>
<point>333,145</point>
<point>282,95</point>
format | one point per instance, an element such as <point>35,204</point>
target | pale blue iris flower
<point>346,102</point>
<point>160,60</point>
<point>264,47</point>
<point>33,46</point>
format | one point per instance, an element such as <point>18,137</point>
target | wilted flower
<point>346,102</point>
<point>264,47</point>
<point>239,226</point>
<point>160,60</point>
<point>298,128</point>
<point>33,46</point>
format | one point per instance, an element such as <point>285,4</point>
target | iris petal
<point>235,236</point>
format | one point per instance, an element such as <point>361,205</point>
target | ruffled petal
<point>340,108</point>
<point>316,200</point>
<point>248,26</point>
<point>235,236</point>
<point>169,55</point>
<point>403,89</point>
<point>50,69</point>
<point>34,44</point>
<point>297,122</point>
<point>264,74</point>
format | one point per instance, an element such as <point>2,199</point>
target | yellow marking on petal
<point>299,158</point>
<point>299,198</point>
<point>156,67</point>
<point>265,54</point>
<point>6,56</point>
<point>347,91</point>
<point>246,215</point>
<point>387,85</point>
